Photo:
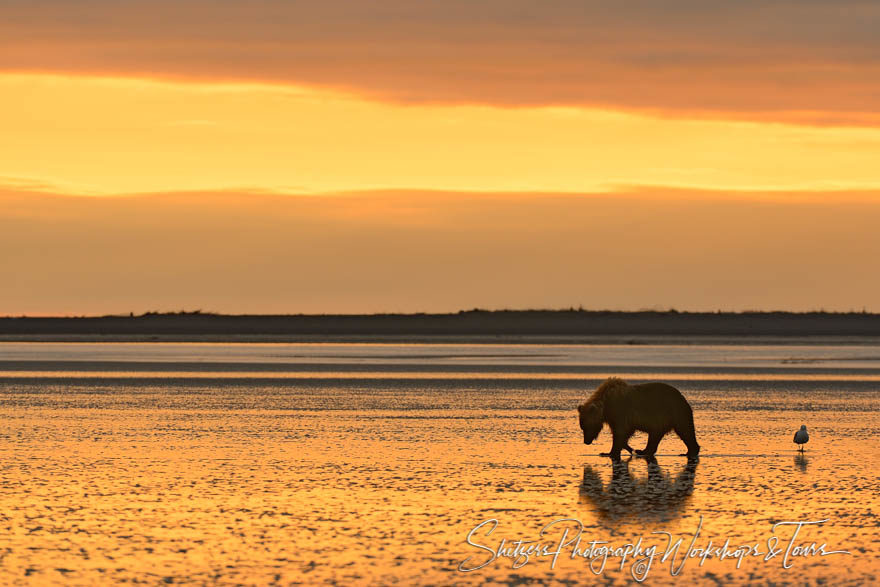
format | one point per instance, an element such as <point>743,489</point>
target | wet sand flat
<point>358,480</point>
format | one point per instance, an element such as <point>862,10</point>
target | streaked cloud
<point>428,156</point>
<point>436,251</point>
<point>815,62</point>
<point>109,135</point>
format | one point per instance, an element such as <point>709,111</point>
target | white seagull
<point>801,437</point>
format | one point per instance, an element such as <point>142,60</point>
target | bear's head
<point>591,418</point>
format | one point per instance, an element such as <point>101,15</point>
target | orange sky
<point>746,133</point>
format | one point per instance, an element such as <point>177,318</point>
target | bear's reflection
<point>657,497</point>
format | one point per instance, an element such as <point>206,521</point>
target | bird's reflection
<point>656,497</point>
<point>801,462</point>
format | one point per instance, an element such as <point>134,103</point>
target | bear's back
<point>650,406</point>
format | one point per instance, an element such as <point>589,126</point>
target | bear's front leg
<point>619,442</point>
<point>650,449</point>
<point>626,447</point>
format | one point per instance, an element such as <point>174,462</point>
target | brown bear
<point>655,408</point>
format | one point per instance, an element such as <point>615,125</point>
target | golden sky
<point>404,156</point>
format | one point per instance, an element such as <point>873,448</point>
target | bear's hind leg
<point>689,436</point>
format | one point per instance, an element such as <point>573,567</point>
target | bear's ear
<point>581,408</point>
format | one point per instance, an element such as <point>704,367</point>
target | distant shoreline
<point>475,326</point>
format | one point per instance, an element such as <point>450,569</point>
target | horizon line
<point>475,310</point>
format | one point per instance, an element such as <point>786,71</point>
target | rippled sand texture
<point>354,481</point>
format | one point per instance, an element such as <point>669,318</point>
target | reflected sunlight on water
<point>379,478</point>
<point>359,375</point>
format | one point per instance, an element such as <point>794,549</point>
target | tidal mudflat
<point>357,464</point>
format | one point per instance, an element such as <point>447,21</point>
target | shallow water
<point>371,463</point>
